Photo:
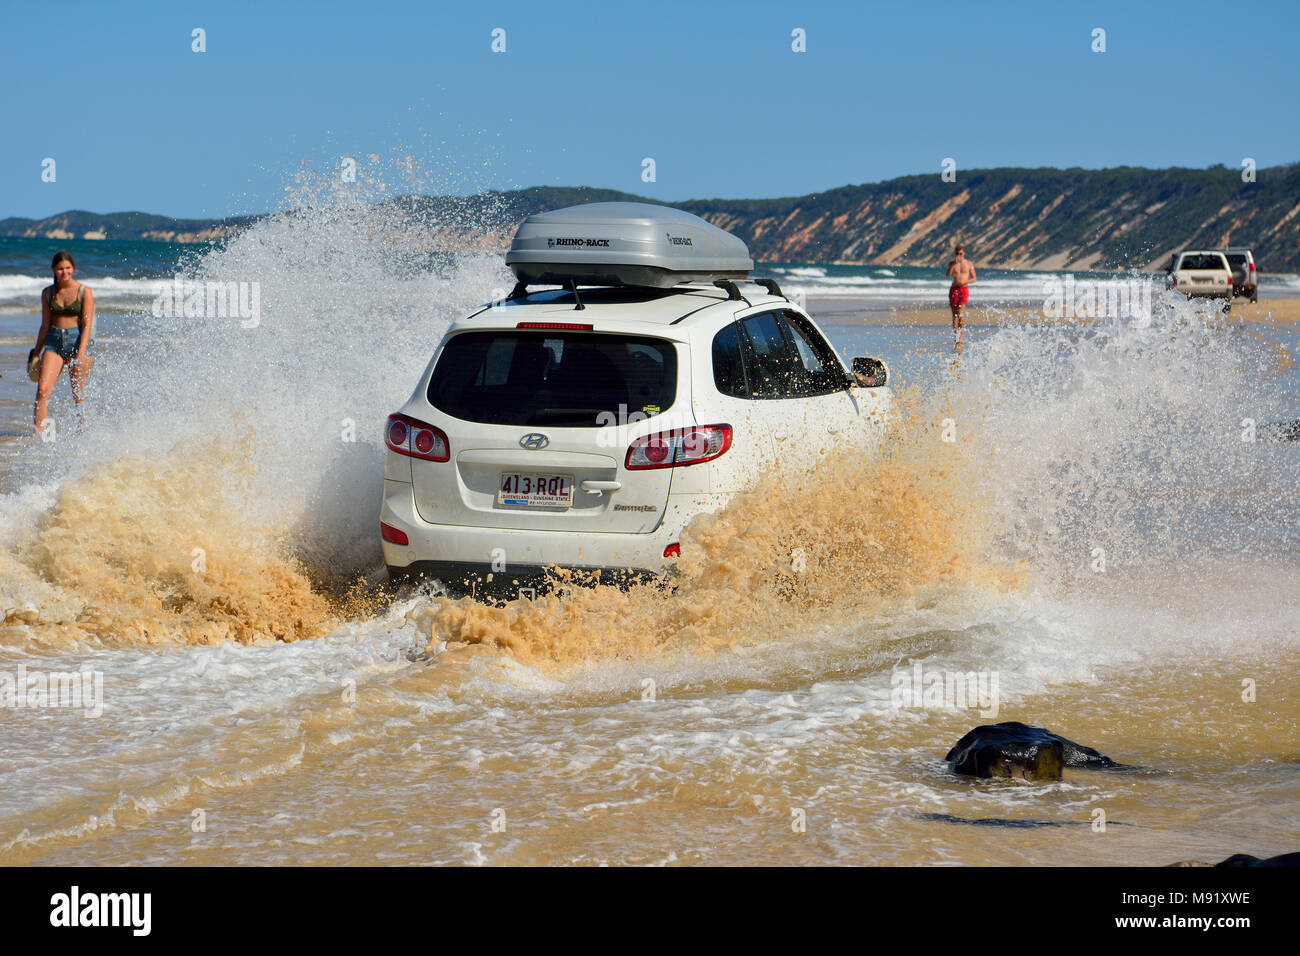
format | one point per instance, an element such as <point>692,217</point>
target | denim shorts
<point>63,342</point>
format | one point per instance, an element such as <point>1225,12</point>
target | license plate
<point>529,490</point>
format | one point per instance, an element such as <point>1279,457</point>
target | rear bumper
<point>463,553</point>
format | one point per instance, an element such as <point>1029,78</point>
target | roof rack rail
<point>733,292</point>
<point>520,291</point>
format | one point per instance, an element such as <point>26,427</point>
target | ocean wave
<point>920,289</point>
<point>21,294</point>
<point>884,284</point>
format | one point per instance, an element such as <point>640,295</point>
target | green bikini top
<point>73,308</point>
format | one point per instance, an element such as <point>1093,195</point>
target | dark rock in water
<point>1245,859</point>
<point>1013,749</point>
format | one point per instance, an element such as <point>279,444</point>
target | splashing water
<point>1048,458</point>
<point>1128,439</point>
<point>259,447</point>
<point>800,549</point>
<point>1095,477</point>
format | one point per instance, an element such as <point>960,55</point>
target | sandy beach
<point>832,312</point>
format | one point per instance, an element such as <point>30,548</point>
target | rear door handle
<point>598,488</point>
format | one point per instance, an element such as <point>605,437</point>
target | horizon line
<point>662,202</point>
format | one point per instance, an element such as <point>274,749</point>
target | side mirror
<point>870,372</point>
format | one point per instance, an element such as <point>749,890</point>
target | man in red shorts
<point>963,277</point>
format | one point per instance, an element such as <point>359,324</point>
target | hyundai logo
<point>534,440</point>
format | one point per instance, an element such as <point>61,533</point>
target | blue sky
<point>585,91</point>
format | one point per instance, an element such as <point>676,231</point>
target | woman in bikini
<point>67,315</point>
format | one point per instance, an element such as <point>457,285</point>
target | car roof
<point>633,308</point>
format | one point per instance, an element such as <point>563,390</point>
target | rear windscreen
<point>1201,262</point>
<point>562,379</point>
<point>1236,260</point>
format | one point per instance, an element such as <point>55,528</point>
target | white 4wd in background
<point>1202,274</point>
<point>585,427</point>
<point>1245,279</point>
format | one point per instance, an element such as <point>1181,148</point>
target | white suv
<point>1244,278</point>
<point>1204,274</point>
<point>584,427</point>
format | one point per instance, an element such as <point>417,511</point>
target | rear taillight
<point>674,550</point>
<point>393,535</point>
<point>679,447</point>
<point>1250,266</point>
<point>410,436</point>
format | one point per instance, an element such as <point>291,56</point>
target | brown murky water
<point>1096,550</point>
<point>748,715</point>
<point>785,752</point>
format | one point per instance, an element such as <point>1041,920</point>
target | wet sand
<point>1279,310</point>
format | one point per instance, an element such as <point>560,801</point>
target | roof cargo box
<point>624,243</point>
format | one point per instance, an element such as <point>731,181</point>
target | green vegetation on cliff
<point>1122,218</point>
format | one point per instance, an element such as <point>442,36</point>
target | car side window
<point>771,362</point>
<point>821,372</point>
<point>728,366</point>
